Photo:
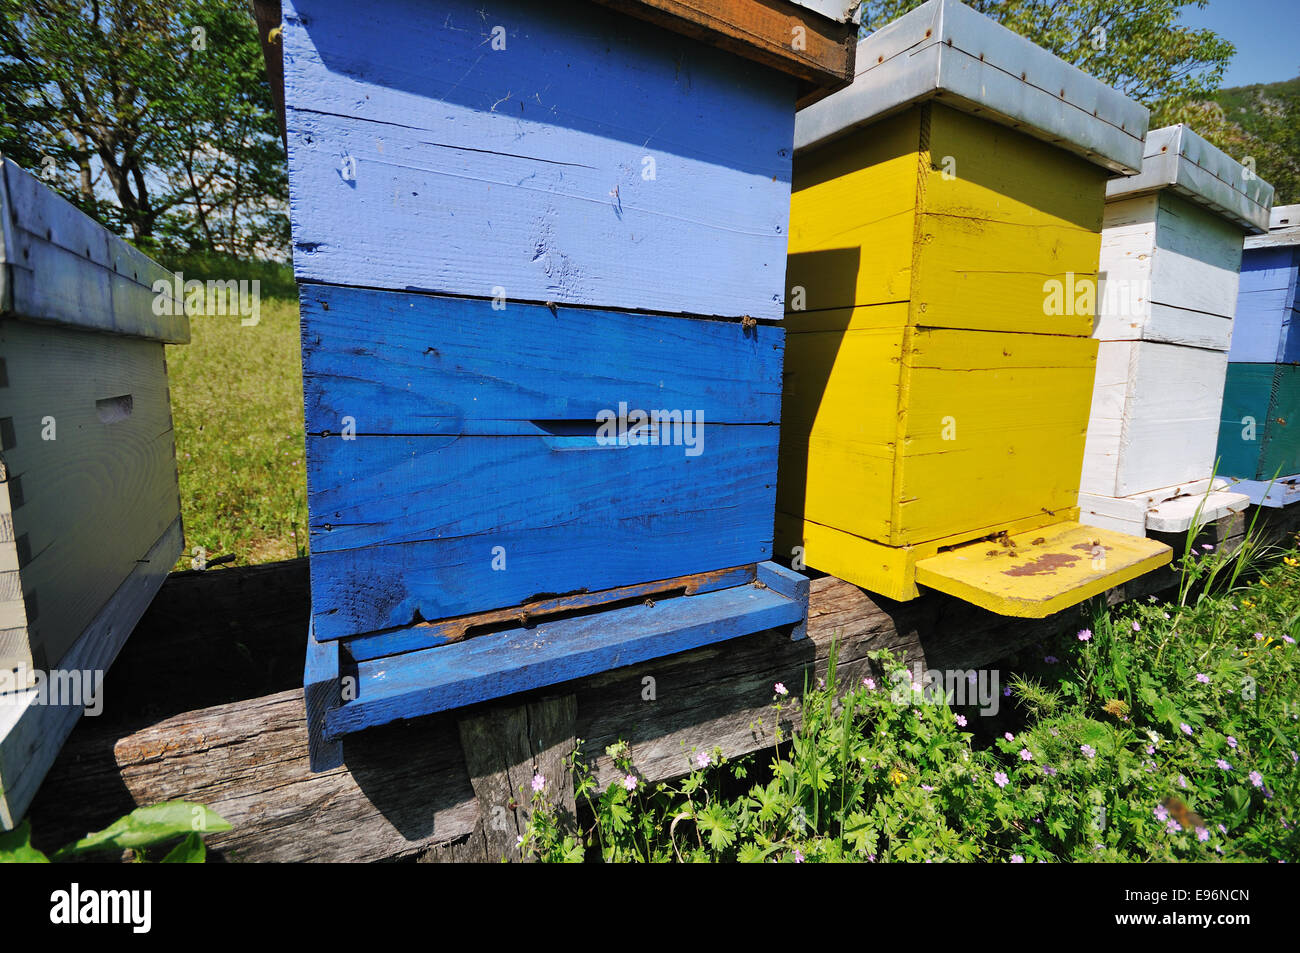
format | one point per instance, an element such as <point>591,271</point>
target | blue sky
<point>1265,32</point>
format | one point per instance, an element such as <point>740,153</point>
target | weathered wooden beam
<point>406,789</point>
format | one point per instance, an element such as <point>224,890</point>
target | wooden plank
<point>1170,414</point>
<point>323,691</point>
<point>521,659</point>
<point>1266,329</point>
<point>505,749</point>
<point>63,267</point>
<point>89,441</point>
<point>589,162</point>
<point>31,732</point>
<point>761,30</point>
<point>1038,574</point>
<point>1274,492</point>
<point>1261,407</point>
<point>1002,416</point>
<point>422,364</point>
<point>1004,216</point>
<point>1197,258</point>
<point>528,518</point>
<point>426,635</point>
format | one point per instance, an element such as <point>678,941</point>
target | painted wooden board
<point>479,476</point>
<point>60,266</point>
<point>423,364</point>
<point>411,528</point>
<point>32,733</point>
<point>591,161</point>
<point>1257,431</point>
<point>966,220</point>
<point>503,663</point>
<point>1267,329</point>
<point>1002,416</point>
<point>1155,417</point>
<point>1042,573</point>
<point>89,472</point>
<point>1169,510</point>
<point>1169,272</point>
<point>1274,493</point>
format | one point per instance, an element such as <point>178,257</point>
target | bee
<point>1005,541</point>
<point>1039,541</point>
<point>554,309</point>
<point>748,323</point>
<point>1183,814</point>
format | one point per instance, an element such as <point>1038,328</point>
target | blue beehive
<point>537,248</point>
<point>1259,427</point>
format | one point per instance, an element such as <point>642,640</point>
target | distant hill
<point>1236,100</point>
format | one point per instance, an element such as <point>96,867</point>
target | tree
<point>155,118</point>
<point>1136,46</point>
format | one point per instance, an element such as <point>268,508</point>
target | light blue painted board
<point>503,663</point>
<point>1266,330</point>
<point>408,528</point>
<point>1272,493</point>
<point>412,638</point>
<point>421,158</point>
<point>399,363</point>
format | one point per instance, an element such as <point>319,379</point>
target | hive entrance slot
<point>110,410</point>
<point>530,617</point>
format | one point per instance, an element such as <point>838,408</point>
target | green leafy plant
<point>145,832</point>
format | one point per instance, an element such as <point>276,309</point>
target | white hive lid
<point>1177,158</point>
<point>945,50</point>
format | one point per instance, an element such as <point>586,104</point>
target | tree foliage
<point>156,118</point>
<point>1137,46</point>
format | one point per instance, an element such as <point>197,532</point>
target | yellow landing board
<point>1034,574</point>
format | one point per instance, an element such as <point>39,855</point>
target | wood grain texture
<point>760,30</point>
<point>62,267</point>
<point>1155,417</point>
<point>1169,273</point>
<point>31,733</point>
<point>422,158</point>
<point>1039,574</point>
<point>91,501</point>
<point>1258,428</point>
<point>1267,328</point>
<point>940,261</point>
<point>523,658</point>
<point>423,364</point>
<point>407,791</point>
<point>478,477</point>
<point>505,748</point>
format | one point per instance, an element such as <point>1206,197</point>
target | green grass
<point>237,410</point>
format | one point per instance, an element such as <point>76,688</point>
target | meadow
<point>236,394</point>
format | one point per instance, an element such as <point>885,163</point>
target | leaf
<point>16,846</point>
<point>714,822</point>
<point>1165,710</point>
<point>149,827</point>
<point>188,851</point>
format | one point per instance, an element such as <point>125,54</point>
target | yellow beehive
<point>944,243</point>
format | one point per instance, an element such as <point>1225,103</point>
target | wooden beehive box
<point>946,216</point>
<point>89,505</point>
<point>1259,430</point>
<point>511,223</point>
<point>1170,258</point>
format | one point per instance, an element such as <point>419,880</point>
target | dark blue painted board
<point>400,363</point>
<point>412,638</point>
<point>407,525</point>
<point>422,158</point>
<point>503,663</point>
<point>1265,329</point>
